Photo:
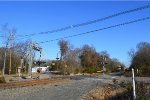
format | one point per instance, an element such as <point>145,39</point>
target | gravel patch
<point>70,90</point>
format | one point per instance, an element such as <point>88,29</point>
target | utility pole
<point>10,52</point>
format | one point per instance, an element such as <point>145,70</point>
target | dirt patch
<point>106,92</point>
<point>2,80</point>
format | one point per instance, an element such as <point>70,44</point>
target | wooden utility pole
<point>10,52</point>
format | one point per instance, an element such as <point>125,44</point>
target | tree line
<point>84,60</point>
<point>140,59</point>
<point>72,60</point>
<point>75,60</point>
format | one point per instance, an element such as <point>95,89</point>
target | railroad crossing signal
<point>36,47</point>
<point>39,62</point>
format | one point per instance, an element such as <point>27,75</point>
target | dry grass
<point>101,93</point>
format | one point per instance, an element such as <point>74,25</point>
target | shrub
<point>76,71</point>
<point>90,70</point>
<point>2,80</point>
<point>146,70</point>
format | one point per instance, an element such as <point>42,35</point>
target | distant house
<point>43,69</point>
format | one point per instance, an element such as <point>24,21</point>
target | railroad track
<point>30,83</point>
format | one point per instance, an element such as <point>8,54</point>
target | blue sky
<point>39,16</point>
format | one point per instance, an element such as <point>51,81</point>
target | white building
<point>43,69</point>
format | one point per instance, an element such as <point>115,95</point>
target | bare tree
<point>131,53</point>
<point>72,59</point>
<point>141,58</point>
<point>63,47</point>
<point>5,43</point>
<point>63,50</point>
<point>21,48</point>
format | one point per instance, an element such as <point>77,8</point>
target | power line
<point>109,27</point>
<point>89,22</point>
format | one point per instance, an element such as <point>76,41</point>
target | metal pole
<point>30,60</point>
<point>133,80</point>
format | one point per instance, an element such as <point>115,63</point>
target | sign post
<point>19,71</point>
<point>133,80</point>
